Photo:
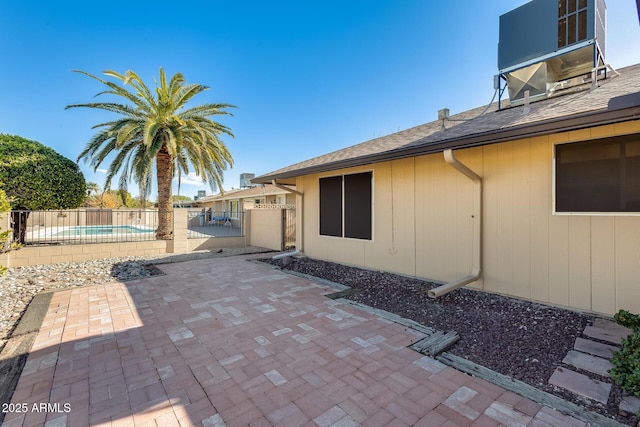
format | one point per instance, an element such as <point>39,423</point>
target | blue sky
<point>307,76</point>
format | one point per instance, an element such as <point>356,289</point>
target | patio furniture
<point>220,220</point>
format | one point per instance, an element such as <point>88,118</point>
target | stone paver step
<point>605,334</point>
<point>590,363</point>
<point>630,404</point>
<point>611,326</point>
<point>581,384</point>
<point>595,348</point>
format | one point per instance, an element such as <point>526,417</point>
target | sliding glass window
<point>598,176</point>
<point>346,206</point>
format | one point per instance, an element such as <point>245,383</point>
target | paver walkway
<point>228,342</point>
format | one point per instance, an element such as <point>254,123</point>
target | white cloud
<point>190,179</point>
<point>101,170</point>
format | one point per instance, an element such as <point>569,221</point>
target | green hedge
<point>36,177</point>
<point>626,361</point>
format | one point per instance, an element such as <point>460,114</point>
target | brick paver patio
<point>228,342</point>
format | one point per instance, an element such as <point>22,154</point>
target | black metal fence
<point>82,226</point>
<point>204,223</point>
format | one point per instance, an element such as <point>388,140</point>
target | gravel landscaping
<point>521,339</point>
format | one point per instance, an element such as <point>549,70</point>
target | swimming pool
<point>101,230</point>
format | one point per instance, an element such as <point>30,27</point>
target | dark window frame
<point>597,177</point>
<point>330,214</point>
<point>346,206</point>
<point>572,22</point>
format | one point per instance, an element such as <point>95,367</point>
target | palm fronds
<point>155,123</point>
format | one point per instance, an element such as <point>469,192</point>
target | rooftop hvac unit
<point>545,42</point>
<point>245,180</point>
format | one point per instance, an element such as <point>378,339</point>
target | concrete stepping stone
<point>595,348</point>
<point>630,404</point>
<point>590,363</point>
<point>581,384</point>
<point>606,334</point>
<point>611,326</point>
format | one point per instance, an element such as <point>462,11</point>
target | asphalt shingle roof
<point>472,123</point>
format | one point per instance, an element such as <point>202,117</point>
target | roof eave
<point>563,124</point>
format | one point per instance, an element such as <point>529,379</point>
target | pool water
<point>101,230</point>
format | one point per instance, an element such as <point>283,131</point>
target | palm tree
<point>157,128</point>
<point>92,191</point>
<point>92,188</point>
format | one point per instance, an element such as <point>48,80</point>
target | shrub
<point>626,361</point>
<point>36,177</point>
<point>628,320</point>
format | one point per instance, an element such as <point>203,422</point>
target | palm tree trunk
<point>164,168</point>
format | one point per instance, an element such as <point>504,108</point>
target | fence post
<point>5,224</point>
<point>246,218</point>
<point>179,244</point>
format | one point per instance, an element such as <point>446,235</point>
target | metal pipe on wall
<point>476,270</point>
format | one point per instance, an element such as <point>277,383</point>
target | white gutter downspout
<point>299,219</point>
<point>476,271</point>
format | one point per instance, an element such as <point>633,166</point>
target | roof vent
<point>443,115</point>
<point>545,42</point>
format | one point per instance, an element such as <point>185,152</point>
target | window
<point>345,206</point>
<point>599,176</point>
<point>572,21</point>
<point>235,209</point>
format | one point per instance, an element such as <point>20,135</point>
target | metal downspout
<point>476,271</point>
<point>297,193</point>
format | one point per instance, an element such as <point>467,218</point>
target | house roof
<point>575,108</point>
<point>260,190</point>
<point>217,196</point>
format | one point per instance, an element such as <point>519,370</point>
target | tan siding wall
<point>505,231</point>
<point>603,250</point>
<point>522,219</point>
<point>579,261</point>
<point>393,246</point>
<point>443,210</point>
<point>266,228</point>
<point>423,227</point>
<point>539,207</point>
<point>627,254</point>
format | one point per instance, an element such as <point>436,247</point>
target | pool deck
<point>229,342</point>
